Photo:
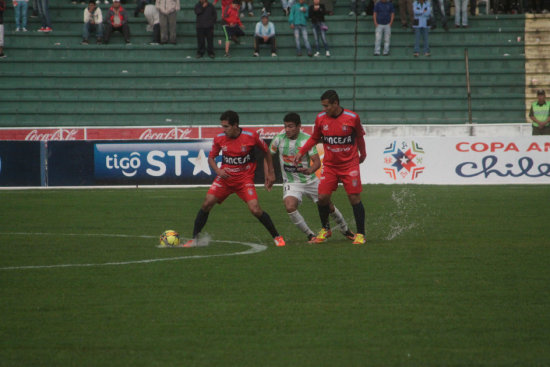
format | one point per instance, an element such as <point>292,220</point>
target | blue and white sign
<point>183,162</point>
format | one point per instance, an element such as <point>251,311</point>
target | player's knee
<point>256,211</point>
<point>323,200</point>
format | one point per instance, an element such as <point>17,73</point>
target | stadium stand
<point>53,80</point>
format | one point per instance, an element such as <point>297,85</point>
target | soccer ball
<point>169,238</point>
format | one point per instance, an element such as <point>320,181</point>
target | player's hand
<point>292,26</point>
<point>297,159</point>
<point>222,173</point>
<point>269,181</point>
<point>303,170</point>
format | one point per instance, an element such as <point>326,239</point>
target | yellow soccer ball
<point>169,238</point>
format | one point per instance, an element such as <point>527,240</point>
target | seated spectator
<point>267,7</point>
<point>317,13</point>
<point>298,22</point>
<point>265,35</point>
<point>247,4</point>
<point>93,22</point>
<point>287,5</point>
<point>206,18</point>
<point>540,114</point>
<point>168,13</point>
<point>20,8</point>
<point>152,16</point>
<point>117,20</point>
<point>422,12</point>
<point>383,16</point>
<point>224,4</point>
<point>232,25</point>
<point>2,8</point>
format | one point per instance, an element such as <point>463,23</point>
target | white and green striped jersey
<point>287,149</point>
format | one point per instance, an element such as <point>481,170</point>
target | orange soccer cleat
<point>279,241</point>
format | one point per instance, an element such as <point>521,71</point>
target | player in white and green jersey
<point>301,180</point>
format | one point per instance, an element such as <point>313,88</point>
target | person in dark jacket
<point>206,18</point>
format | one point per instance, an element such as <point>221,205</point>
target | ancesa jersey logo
<point>403,160</point>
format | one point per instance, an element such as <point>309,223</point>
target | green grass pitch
<point>451,276</point>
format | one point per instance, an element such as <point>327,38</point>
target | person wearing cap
<point>265,35</point>
<point>540,114</point>
<point>117,20</point>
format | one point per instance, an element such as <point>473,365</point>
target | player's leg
<point>201,218</point>
<point>337,216</point>
<point>291,205</point>
<point>351,179</point>
<point>247,192</point>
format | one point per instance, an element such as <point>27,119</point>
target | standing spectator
<point>461,11</point>
<point>2,8</point>
<point>44,12</point>
<point>298,22</point>
<point>439,5</point>
<point>168,13</point>
<point>473,6</point>
<point>152,15</point>
<point>247,4</point>
<point>117,20</point>
<point>540,114</point>
<point>406,7</point>
<point>342,135</point>
<point>422,13</point>
<point>93,22</point>
<point>287,5</point>
<point>383,16</point>
<point>20,7</point>
<point>353,10</point>
<point>264,34</point>
<point>267,6</point>
<point>206,18</point>
<point>232,27</point>
<point>317,13</point>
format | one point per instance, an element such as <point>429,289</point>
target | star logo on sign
<point>200,163</point>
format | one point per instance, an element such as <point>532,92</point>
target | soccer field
<point>450,275</point>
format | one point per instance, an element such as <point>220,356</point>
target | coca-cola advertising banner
<point>129,133</point>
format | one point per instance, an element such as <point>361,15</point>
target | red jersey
<point>230,15</point>
<point>238,158</point>
<point>342,137</point>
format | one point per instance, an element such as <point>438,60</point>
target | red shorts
<point>350,177</point>
<point>221,189</point>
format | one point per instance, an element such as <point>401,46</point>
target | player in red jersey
<point>342,135</point>
<point>236,174</point>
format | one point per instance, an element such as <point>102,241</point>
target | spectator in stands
<point>406,8</point>
<point>168,13</point>
<point>473,6</point>
<point>540,114</point>
<point>2,8</point>
<point>287,5</point>
<point>151,14</point>
<point>439,5</point>
<point>353,10</point>
<point>117,20</point>
<point>247,4</point>
<point>224,4</point>
<point>383,16</point>
<point>422,13</point>
<point>461,12</point>
<point>264,34</point>
<point>267,7</point>
<point>232,25</point>
<point>317,14</point>
<point>206,18</point>
<point>20,8</point>
<point>298,22</point>
<point>93,22</point>
<point>44,12</point>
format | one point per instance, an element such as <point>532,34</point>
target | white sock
<point>300,222</point>
<point>339,219</point>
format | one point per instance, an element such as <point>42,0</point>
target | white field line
<point>253,248</point>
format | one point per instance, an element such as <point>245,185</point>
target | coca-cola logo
<point>59,134</point>
<point>172,134</point>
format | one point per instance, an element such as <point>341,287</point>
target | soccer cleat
<point>349,235</point>
<point>279,241</point>
<point>359,239</point>
<point>190,243</point>
<point>322,236</point>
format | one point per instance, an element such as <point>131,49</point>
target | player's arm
<point>269,171</point>
<point>212,160</point>
<point>316,164</point>
<point>360,140</point>
<point>310,143</point>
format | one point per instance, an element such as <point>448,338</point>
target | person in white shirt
<point>93,22</point>
<point>265,34</point>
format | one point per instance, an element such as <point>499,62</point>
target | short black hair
<point>91,1</point>
<point>293,117</point>
<point>331,95</point>
<point>231,117</point>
